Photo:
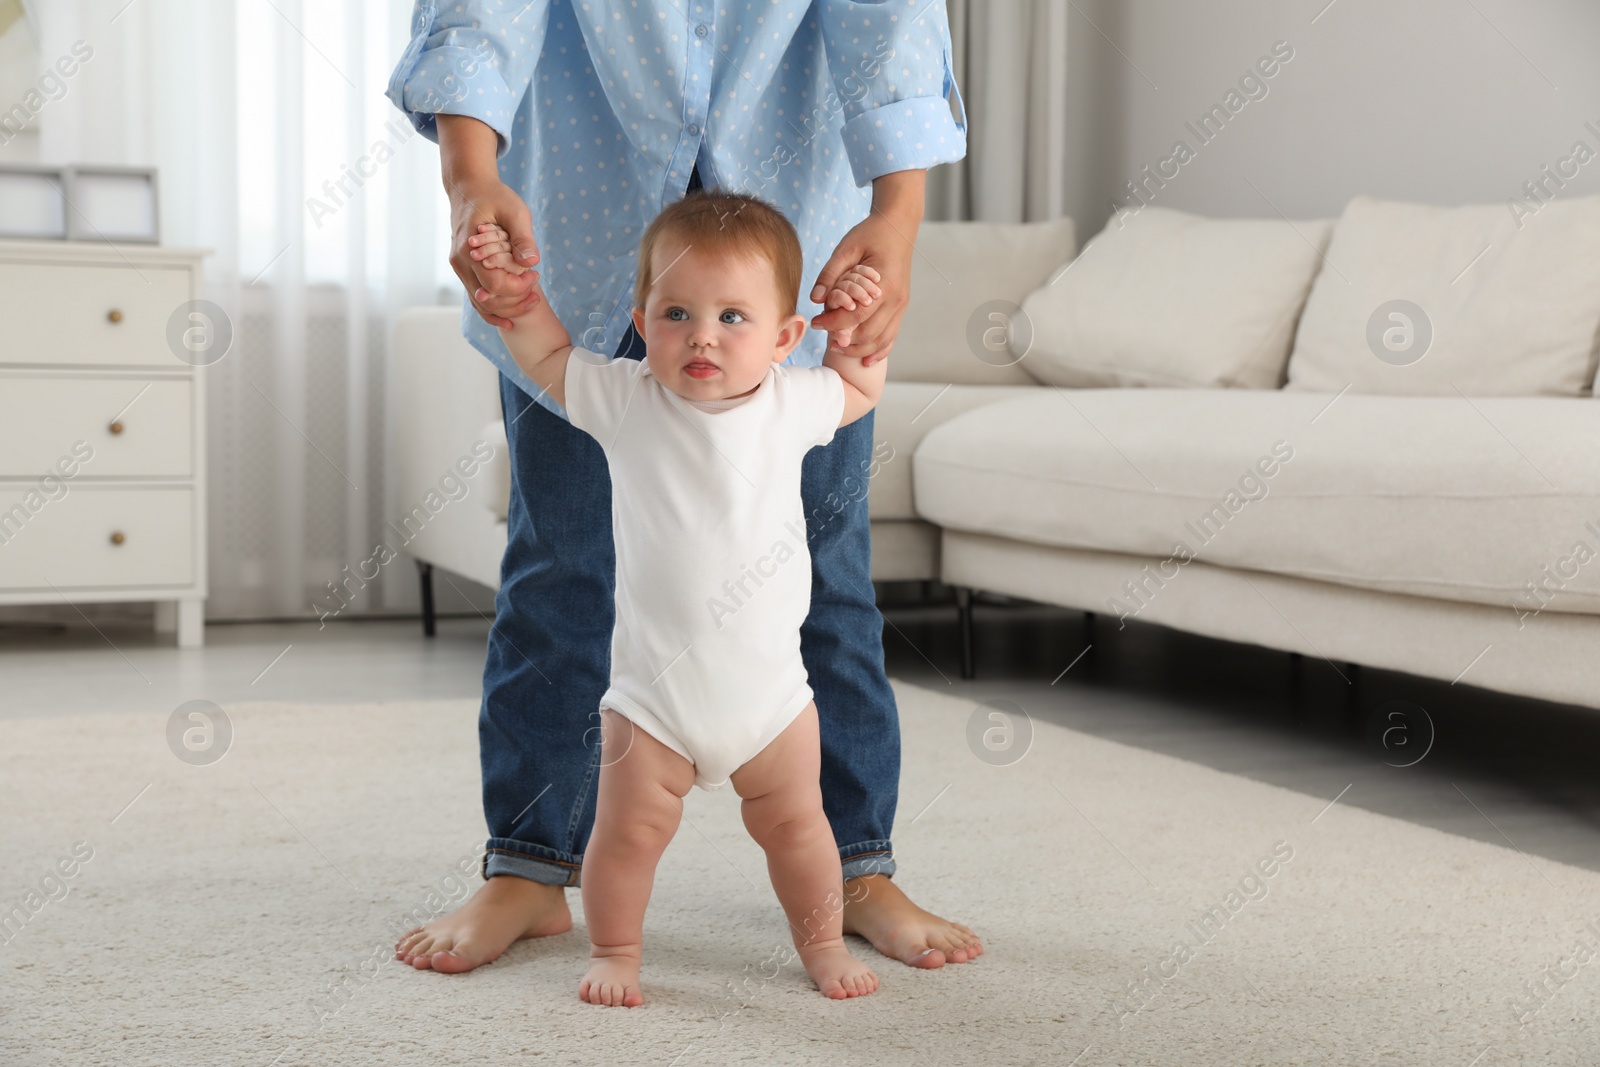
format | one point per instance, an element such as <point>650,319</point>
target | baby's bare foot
<point>612,981</point>
<point>876,909</point>
<point>504,909</point>
<point>838,974</point>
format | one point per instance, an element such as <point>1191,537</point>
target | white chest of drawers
<point>102,430</point>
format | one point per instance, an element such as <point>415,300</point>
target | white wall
<point>1438,101</point>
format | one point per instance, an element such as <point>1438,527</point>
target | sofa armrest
<point>444,401</point>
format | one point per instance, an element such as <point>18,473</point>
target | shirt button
<point>700,30</point>
<point>694,131</point>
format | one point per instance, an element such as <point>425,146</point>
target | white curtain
<point>276,149</point>
<point>1010,59</point>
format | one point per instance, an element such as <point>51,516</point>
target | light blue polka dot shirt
<point>604,106</point>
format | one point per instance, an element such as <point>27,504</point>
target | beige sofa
<point>1371,439</point>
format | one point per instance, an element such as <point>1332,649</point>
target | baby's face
<point>711,326</point>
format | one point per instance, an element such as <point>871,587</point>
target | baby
<point>704,439</point>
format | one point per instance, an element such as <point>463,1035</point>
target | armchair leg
<point>425,575</point>
<point>964,610</point>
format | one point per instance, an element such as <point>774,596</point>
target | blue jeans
<point>549,650</point>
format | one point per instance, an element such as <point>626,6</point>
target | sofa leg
<point>1352,705</point>
<point>964,611</point>
<point>425,576</point>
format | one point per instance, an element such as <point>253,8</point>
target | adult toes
<point>449,962</point>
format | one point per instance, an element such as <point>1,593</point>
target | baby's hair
<point>727,224</point>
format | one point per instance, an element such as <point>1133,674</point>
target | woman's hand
<point>510,292</point>
<point>885,242</point>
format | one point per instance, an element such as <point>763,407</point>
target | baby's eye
<point>673,311</point>
<point>730,311</point>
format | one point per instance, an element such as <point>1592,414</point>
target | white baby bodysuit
<point>713,573</point>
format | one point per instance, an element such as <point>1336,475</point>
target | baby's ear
<point>790,334</point>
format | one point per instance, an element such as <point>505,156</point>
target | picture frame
<point>85,202</point>
<point>113,203</point>
<point>33,202</point>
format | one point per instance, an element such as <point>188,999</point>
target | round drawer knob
<point>116,427</point>
<point>114,315</point>
<point>118,537</point>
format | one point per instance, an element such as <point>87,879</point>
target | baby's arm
<point>862,385</point>
<point>537,340</point>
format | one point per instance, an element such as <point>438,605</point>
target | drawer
<point>69,314</point>
<point>42,419</point>
<point>68,541</point>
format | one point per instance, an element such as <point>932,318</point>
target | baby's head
<point>719,279</point>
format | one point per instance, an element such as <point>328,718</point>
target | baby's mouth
<point>701,369</point>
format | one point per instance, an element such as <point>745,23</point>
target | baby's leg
<point>783,812</point>
<point>642,785</point>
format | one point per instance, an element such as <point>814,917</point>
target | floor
<point>1503,770</point>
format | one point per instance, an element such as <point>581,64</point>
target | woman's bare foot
<point>876,909</point>
<point>505,909</point>
<point>612,981</point>
<point>837,973</point>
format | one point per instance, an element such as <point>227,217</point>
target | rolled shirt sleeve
<point>890,64</point>
<point>469,58</point>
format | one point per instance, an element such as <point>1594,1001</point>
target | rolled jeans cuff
<point>868,857</point>
<point>533,862</point>
<point>549,867</point>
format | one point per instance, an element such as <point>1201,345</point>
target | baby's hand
<point>491,246</point>
<point>858,285</point>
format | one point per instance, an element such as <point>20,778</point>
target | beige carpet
<point>220,910</point>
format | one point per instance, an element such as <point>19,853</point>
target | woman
<point>598,123</point>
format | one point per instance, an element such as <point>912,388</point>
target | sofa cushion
<point>1425,300</point>
<point>1173,299</point>
<point>905,413</point>
<point>962,275</point>
<point>1465,500</point>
